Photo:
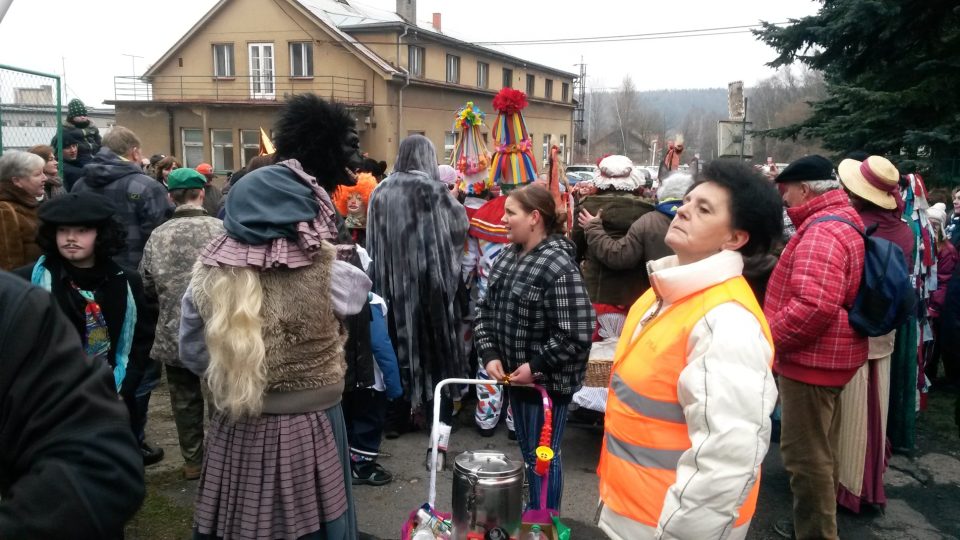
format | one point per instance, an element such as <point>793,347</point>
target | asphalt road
<point>923,490</point>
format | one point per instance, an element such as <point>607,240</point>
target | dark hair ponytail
<point>535,197</point>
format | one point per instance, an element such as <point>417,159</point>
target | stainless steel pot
<point>487,494</point>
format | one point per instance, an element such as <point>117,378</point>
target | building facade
<point>208,96</point>
<point>31,118</point>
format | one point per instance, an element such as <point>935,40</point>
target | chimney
<point>407,10</point>
<point>436,22</point>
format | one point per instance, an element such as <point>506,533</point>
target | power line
<point>676,34</point>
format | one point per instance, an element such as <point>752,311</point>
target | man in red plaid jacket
<point>817,352</point>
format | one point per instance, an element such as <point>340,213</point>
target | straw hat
<point>874,179</point>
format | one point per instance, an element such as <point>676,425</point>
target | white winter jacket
<point>727,392</point>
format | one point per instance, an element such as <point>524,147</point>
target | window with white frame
<point>548,88</point>
<point>563,148</point>
<point>546,147</point>
<point>565,92</point>
<point>483,75</point>
<point>301,59</point>
<point>223,60</point>
<point>415,60</point>
<point>449,141</point>
<point>222,155</point>
<point>192,140</point>
<point>249,145</point>
<point>453,69</point>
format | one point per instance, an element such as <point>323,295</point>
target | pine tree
<point>892,69</point>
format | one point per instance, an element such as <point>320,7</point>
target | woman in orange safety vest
<point>688,413</point>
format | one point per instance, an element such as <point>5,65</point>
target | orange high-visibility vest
<point>645,431</point>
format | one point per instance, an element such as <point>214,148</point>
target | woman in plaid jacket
<point>535,324</point>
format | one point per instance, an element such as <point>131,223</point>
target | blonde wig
<point>237,372</point>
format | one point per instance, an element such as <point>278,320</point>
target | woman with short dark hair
<point>688,413</point>
<point>164,167</point>
<point>52,184</point>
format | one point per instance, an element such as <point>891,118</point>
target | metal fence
<point>238,89</point>
<point>30,112</point>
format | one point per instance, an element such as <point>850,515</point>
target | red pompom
<point>510,101</point>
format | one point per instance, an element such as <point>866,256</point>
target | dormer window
<point>223,60</point>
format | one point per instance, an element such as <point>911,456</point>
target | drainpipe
<point>406,84</point>
<point>171,132</point>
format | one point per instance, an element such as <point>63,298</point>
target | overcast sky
<point>90,39</point>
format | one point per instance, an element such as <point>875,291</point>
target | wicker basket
<point>598,372</point>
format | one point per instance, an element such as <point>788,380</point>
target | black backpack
<point>886,297</point>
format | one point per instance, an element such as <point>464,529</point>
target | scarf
<point>669,207</point>
<point>96,338</point>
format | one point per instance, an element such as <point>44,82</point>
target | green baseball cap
<point>184,178</point>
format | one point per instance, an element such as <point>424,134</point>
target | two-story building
<point>208,96</point>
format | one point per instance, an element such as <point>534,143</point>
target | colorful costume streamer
<point>513,163</point>
<point>470,155</point>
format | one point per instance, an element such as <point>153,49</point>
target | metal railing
<point>238,89</point>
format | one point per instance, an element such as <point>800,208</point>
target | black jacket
<point>88,140</point>
<point>358,351</point>
<point>69,464</point>
<point>109,283</point>
<point>72,171</point>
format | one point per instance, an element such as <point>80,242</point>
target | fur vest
<point>301,335</point>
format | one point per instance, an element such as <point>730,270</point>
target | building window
<point>548,89</point>
<point>249,145</point>
<point>192,147</point>
<point>449,141</point>
<point>415,60</point>
<point>223,60</point>
<point>483,75</point>
<point>546,147</point>
<point>453,69</point>
<point>563,148</point>
<point>565,92</point>
<point>222,155</point>
<point>507,78</point>
<point>301,59</point>
<point>40,123</point>
<point>531,85</point>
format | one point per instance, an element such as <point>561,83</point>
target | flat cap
<point>807,168</point>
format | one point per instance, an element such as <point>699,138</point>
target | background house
<point>207,97</point>
<point>30,117</point>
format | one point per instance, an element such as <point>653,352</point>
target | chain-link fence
<point>30,111</point>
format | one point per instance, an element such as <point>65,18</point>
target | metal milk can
<point>487,494</point>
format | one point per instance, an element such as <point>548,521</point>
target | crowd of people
<point>305,310</point>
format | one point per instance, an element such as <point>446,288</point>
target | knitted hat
<point>938,213</point>
<point>618,172</point>
<point>448,175</point>
<point>76,108</point>
<point>205,169</point>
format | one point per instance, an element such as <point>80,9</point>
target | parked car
<point>584,167</point>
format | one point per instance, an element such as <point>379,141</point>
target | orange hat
<point>204,169</point>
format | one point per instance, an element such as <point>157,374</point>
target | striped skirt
<point>271,477</point>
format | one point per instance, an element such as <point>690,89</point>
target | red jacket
<point>946,263</point>
<point>814,282</point>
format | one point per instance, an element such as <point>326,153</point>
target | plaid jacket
<point>537,310</point>
<point>809,292</point>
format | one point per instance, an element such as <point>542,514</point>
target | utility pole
<point>580,94</point>
<point>743,129</point>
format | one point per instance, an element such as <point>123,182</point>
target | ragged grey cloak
<point>415,236</point>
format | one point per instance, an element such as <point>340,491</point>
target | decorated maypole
<point>470,156</point>
<point>513,163</point>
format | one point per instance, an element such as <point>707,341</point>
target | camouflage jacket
<point>166,267</point>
